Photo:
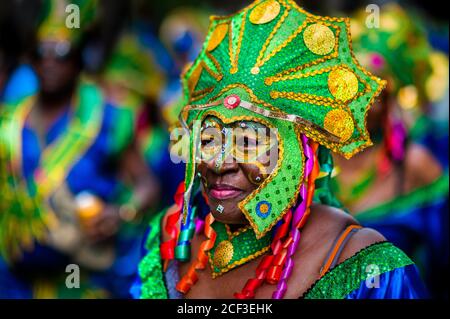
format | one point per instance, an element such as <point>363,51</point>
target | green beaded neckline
<point>232,249</point>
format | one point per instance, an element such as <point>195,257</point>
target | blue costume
<point>93,169</point>
<point>21,83</point>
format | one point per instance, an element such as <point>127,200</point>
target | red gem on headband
<point>232,101</point>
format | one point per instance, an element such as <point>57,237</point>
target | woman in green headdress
<point>71,177</point>
<point>398,187</point>
<point>273,90</point>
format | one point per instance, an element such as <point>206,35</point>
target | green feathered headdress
<point>278,64</point>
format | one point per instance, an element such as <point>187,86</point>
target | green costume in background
<point>41,175</point>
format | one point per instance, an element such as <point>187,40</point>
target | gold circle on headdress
<point>343,84</point>
<point>319,39</point>
<point>223,254</point>
<point>217,36</point>
<point>340,123</point>
<point>265,12</point>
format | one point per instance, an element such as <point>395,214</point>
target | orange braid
<point>275,271</point>
<point>248,292</point>
<point>279,251</point>
<point>191,277</point>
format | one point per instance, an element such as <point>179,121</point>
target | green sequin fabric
<point>348,276</point>
<point>245,247</point>
<point>150,267</point>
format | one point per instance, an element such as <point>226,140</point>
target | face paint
<point>245,141</point>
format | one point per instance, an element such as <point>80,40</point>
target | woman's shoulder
<point>337,223</point>
<point>361,239</point>
<point>364,253</point>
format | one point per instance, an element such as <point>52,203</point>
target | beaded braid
<point>191,277</point>
<point>278,247</point>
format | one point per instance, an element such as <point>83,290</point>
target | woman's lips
<point>222,191</point>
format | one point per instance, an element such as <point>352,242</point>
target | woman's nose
<point>223,163</point>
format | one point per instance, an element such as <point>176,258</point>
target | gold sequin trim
<point>234,56</point>
<point>260,61</point>
<point>195,76</point>
<point>288,72</point>
<point>305,98</point>
<point>198,95</point>
<point>237,263</point>
<point>217,36</point>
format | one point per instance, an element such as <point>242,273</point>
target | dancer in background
<point>71,177</point>
<point>397,187</point>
